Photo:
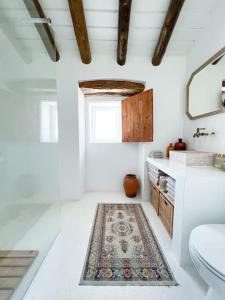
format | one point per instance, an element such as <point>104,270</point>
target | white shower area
<point>29,196</point>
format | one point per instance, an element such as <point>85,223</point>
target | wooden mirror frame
<point>215,112</point>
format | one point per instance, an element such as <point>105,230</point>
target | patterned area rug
<point>123,249</point>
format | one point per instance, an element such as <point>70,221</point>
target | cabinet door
<point>137,118</point>
<point>166,213</point>
<point>155,198</point>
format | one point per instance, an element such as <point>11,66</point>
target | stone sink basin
<point>193,158</point>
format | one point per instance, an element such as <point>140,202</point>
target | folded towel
<point>153,176</point>
<point>153,180</point>
<point>171,181</point>
<point>150,166</point>
<point>170,191</point>
<point>156,154</point>
<point>171,195</point>
<point>171,188</point>
<point>162,186</point>
<point>154,171</point>
<point>171,185</point>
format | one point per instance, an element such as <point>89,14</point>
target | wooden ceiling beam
<point>123,30</point>
<point>167,30</point>
<point>111,87</point>
<point>80,29</point>
<point>35,10</point>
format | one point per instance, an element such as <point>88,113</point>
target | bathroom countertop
<point>179,171</point>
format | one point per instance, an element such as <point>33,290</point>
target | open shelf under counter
<point>199,199</point>
<point>164,207</point>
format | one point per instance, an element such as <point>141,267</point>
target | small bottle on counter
<point>180,145</point>
<point>169,148</point>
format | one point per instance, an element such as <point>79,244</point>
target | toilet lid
<point>209,242</point>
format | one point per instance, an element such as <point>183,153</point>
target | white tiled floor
<point>59,275</point>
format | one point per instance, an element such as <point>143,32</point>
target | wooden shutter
<point>137,118</point>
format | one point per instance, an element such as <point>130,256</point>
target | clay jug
<point>180,145</point>
<point>131,185</point>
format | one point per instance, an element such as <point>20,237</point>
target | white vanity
<point>199,199</point>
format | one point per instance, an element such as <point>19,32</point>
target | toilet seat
<point>208,245</point>
<point>206,265</point>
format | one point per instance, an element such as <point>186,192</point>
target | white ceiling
<point>146,21</point>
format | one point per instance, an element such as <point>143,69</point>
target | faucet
<point>198,133</point>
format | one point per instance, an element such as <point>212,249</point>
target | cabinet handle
<point>165,202</point>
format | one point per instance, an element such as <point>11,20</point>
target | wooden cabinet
<point>137,118</point>
<point>163,207</point>
<point>166,213</point>
<point>155,198</point>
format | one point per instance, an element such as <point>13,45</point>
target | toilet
<point>207,250</point>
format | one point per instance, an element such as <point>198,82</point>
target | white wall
<point>211,41</point>
<point>107,163</point>
<point>82,141</point>
<point>167,81</point>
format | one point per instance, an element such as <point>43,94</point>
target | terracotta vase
<point>180,145</point>
<point>131,185</point>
